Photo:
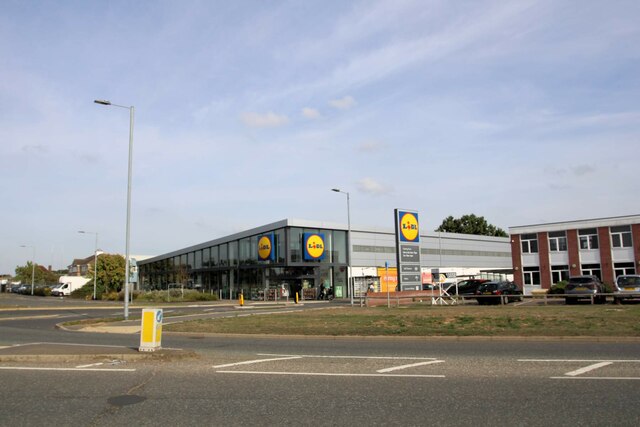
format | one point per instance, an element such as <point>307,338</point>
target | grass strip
<point>585,320</point>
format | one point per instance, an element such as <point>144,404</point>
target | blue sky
<point>249,112</point>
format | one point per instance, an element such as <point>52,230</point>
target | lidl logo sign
<point>408,225</point>
<point>313,246</point>
<point>265,248</point>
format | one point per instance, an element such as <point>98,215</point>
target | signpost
<point>408,250</point>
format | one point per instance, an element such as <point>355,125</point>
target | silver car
<point>627,287</point>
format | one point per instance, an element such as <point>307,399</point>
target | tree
<point>470,224</point>
<point>41,276</point>
<point>110,272</point>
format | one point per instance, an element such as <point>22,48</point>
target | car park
<point>497,293</point>
<point>584,287</point>
<point>626,287</point>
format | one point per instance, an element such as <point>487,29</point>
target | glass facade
<point>235,266</point>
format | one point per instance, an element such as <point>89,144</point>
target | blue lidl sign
<point>314,246</point>
<point>266,250</point>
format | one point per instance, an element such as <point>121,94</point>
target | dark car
<point>584,287</point>
<point>626,287</point>
<point>498,292</point>
<point>466,287</point>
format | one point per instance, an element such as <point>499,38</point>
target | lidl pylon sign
<point>407,226</point>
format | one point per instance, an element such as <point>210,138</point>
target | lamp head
<point>102,102</point>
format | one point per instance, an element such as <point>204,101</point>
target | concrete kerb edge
<point>409,338</point>
<point>160,355</point>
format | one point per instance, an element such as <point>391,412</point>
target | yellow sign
<point>265,247</point>
<point>151,329</point>
<point>314,246</point>
<point>409,226</point>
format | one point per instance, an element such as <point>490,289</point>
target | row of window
<point>244,252</point>
<point>588,239</point>
<point>561,272</point>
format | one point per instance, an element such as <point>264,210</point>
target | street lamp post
<point>95,261</point>
<point>126,262</point>
<point>33,264</point>
<point>349,282</point>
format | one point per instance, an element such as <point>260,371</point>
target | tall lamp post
<point>95,261</point>
<point>126,262</point>
<point>349,284</point>
<point>33,264</point>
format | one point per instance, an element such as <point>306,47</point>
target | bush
<point>558,288</point>
<point>175,295</point>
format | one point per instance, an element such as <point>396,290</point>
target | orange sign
<point>388,279</point>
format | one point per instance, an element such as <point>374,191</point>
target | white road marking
<point>595,378</point>
<point>588,369</point>
<point>329,374</point>
<point>348,357</point>
<point>397,368</point>
<point>26,368</point>
<point>90,365</point>
<point>580,360</point>
<point>249,362</point>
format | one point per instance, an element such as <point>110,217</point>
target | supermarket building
<point>275,258</point>
<point>545,254</point>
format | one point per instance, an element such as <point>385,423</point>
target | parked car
<point>581,287</point>
<point>466,287</point>
<point>496,292</point>
<point>626,287</point>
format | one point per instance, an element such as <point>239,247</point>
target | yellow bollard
<point>241,300</point>
<point>296,297</point>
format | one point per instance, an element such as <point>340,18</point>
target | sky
<point>249,112</point>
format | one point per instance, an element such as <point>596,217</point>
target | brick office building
<point>545,254</point>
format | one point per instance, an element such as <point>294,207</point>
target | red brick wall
<point>516,260</point>
<point>635,233</point>
<point>606,266</point>
<point>574,252</point>
<point>543,253</point>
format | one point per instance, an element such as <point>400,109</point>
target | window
<point>557,241</point>
<point>621,237</point>
<point>622,268</point>
<point>588,238</point>
<point>592,270</point>
<point>531,275</point>
<point>529,243</point>
<point>559,273</point>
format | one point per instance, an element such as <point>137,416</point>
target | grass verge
<point>583,320</point>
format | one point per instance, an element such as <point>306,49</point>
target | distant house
<point>81,266</point>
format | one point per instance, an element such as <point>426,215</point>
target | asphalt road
<point>318,381</point>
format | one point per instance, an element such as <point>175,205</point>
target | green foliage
<point>558,288</point>
<point>176,295</point>
<point>470,224</point>
<point>110,272</point>
<point>41,276</point>
<point>85,292</point>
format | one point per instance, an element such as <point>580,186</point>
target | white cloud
<point>343,103</point>
<point>371,186</point>
<point>311,113</point>
<point>267,120</point>
<point>370,146</point>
